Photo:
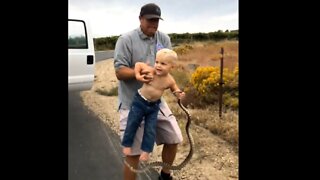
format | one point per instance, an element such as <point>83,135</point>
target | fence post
<point>221,82</point>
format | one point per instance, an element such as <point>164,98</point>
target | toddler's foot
<point>126,151</point>
<point>144,156</point>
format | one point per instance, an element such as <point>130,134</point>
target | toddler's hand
<point>179,94</point>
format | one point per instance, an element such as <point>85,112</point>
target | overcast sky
<point>114,17</point>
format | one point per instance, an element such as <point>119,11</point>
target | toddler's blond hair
<point>167,54</point>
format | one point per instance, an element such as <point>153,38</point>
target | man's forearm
<point>125,73</point>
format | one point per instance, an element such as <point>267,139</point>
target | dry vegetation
<point>208,54</point>
<point>216,140</point>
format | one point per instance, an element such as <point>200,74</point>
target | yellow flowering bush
<point>205,81</point>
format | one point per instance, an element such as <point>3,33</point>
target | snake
<point>166,165</point>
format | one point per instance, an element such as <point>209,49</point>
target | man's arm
<point>125,73</point>
<point>141,73</point>
<point>122,62</point>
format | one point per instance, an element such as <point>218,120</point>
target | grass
<point>226,127</point>
<point>208,54</point>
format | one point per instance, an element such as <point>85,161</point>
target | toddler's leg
<point>126,151</point>
<point>144,156</point>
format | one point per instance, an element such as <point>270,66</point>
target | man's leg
<point>135,149</point>
<point>169,152</point>
<point>133,161</point>
<point>169,134</point>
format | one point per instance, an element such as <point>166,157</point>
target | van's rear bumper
<point>83,86</point>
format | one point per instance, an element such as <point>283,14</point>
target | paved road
<point>93,148</point>
<point>103,55</point>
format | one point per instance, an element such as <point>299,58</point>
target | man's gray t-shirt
<point>133,47</point>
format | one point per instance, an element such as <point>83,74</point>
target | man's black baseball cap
<point>150,11</point>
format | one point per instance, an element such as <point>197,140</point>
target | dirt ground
<point>213,158</point>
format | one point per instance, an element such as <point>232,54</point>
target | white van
<point>81,57</point>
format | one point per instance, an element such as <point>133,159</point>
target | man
<point>141,45</point>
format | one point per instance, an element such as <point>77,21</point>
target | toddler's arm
<point>176,90</point>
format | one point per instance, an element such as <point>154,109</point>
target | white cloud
<point>110,18</point>
<point>205,25</point>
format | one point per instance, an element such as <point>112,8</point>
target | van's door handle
<point>90,59</point>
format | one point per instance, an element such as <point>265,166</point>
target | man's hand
<point>145,75</point>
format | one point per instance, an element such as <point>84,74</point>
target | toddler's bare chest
<point>160,83</point>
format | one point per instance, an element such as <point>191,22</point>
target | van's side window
<point>77,38</point>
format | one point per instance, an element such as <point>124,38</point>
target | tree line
<point>107,43</point>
